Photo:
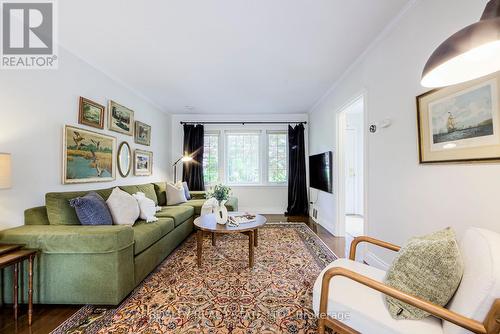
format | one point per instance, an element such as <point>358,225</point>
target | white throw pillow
<point>147,207</point>
<point>175,193</point>
<point>123,207</point>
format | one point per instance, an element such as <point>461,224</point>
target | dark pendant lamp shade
<point>469,54</point>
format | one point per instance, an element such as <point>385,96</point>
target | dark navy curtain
<point>297,187</point>
<point>192,171</point>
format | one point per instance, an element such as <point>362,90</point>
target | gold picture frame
<point>143,163</point>
<point>460,123</point>
<point>142,133</point>
<point>91,113</point>
<point>88,156</point>
<point>120,119</point>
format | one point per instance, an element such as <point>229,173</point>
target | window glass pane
<point>277,157</point>
<point>243,158</point>
<point>211,159</point>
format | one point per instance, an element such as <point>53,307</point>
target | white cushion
<point>363,308</point>
<point>175,193</point>
<point>147,207</point>
<point>480,285</point>
<point>123,207</point>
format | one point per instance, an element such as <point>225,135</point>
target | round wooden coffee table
<point>208,224</point>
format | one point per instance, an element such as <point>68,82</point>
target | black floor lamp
<point>185,158</point>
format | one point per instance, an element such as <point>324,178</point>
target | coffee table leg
<point>250,248</point>
<point>199,245</point>
<point>30,290</point>
<point>213,239</point>
<point>256,237</point>
<point>15,296</point>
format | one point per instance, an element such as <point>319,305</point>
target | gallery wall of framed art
<point>460,123</point>
<point>90,156</point>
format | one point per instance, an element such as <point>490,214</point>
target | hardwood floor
<point>47,317</point>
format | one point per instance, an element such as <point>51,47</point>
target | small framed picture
<point>91,113</point>
<point>460,123</point>
<point>142,133</point>
<point>121,119</point>
<point>143,163</point>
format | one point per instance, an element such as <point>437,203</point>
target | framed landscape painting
<point>121,119</point>
<point>142,133</point>
<point>91,113</point>
<point>88,156</point>
<point>143,163</point>
<point>460,123</point>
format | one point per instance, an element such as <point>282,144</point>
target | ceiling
<point>224,56</point>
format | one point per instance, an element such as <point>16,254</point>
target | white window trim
<point>266,167</point>
<point>263,157</point>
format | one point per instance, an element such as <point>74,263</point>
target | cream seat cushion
<point>363,307</point>
<point>480,284</point>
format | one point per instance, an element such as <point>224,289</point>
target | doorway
<point>351,169</point>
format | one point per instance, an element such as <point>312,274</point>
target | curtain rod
<point>242,122</point>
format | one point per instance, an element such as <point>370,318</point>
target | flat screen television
<point>320,171</point>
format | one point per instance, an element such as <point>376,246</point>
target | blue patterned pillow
<point>92,210</point>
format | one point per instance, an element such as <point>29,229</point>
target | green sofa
<point>98,264</point>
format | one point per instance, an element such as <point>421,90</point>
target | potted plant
<point>220,193</point>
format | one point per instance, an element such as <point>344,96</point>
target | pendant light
<point>469,54</point>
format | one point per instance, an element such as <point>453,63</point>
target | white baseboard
<point>375,261</point>
<point>263,211</point>
<point>327,227</point>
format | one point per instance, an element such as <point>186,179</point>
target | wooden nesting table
<point>14,255</point>
<point>208,224</point>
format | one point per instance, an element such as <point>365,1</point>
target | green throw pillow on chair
<point>429,267</point>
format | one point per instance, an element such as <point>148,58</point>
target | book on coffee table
<point>238,218</point>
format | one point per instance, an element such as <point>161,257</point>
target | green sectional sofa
<point>98,264</point>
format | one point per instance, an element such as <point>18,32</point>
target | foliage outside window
<point>243,163</point>
<point>211,159</point>
<point>277,157</point>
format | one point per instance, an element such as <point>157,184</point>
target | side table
<point>13,255</point>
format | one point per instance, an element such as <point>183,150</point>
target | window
<point>211,158</point>
<point>277,157</point>
<point>243,163</point>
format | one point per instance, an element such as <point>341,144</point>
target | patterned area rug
<point>224,295</point>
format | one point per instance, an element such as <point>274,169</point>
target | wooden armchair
<point>358,290</point>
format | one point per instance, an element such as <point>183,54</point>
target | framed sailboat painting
<point>460,123</point>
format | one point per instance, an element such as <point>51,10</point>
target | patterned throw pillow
<point>429,267</point>
<point>91,210</point>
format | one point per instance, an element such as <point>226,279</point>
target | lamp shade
<point>5,171</point>
<point>469,54</point>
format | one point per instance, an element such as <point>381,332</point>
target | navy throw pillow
<point>92,210</point>
<point>186,190</point>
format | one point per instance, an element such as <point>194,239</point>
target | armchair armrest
<point>470,324</point>
<point>373,241</point>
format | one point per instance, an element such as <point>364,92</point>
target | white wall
<point>260,199</point>
<point>35,105</point>
<point>405,198</point>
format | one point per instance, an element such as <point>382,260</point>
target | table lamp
<point>5,171</point>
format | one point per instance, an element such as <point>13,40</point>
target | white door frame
<point>340,164</point>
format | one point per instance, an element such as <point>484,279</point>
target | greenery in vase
<point>220,192</point>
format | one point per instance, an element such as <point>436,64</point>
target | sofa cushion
<point>60,212</point>
<point>179,213</point>
<point>362,308</point>
<point>480,284</point>
<point>91,210</point>
<point>148,189</point>
<point>123,207</point>
<point>64,239</point>
<point>161,192</point>
<point>146,234</point>
<point>198,194</point>
<point>231,204</point>
<point>429,267</point>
